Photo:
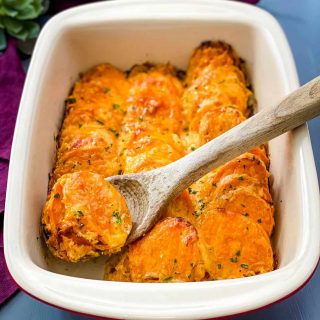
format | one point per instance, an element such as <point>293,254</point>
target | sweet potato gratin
<point>116,123</point>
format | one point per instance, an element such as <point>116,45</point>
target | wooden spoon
<point>147,193</point>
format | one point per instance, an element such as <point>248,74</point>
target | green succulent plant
<point>15,19</point>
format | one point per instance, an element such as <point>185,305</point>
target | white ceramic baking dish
<point>125,33</point>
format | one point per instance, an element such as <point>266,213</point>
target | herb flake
<point>167,279</point>
<point>114,131</point>
<point>192,191</point>
<point>71,100</point>
<point>100,122</point>
<point>117,216</point>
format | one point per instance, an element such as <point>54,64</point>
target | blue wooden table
<point>300,20</point>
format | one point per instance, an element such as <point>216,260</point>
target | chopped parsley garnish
<point>71,100</point>
<point>167,279</point>
<point>106,90</point>
<point>244,266</point>
<point>116,106</point>
<point>114,132</point>
<point>192,191</point>
<point>117,216</point>
<point>234,260</point>
<point>57,195</point>
<point>238,253</point>
<point>100,122</point>
<point>193,148</point>
<point>140,119</point>
<point>108,147</point>
<point>80,125</point>
<point>175,260</point>
<point>202,204</point>
<point>241,178</point>
<point>219,265</point>
<point>78,213</point>
<point>120,172</point>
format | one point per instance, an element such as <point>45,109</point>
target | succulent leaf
<point>32,28</point>
<point>7,11</point>
<point>3,41</point>
<point>12,25</point>
<point>17,4</point>
<point>15,19</point>
<point>30,11</point>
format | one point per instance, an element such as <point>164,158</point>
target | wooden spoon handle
<point>300,106</point>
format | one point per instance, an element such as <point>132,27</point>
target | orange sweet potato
<point>168,253</point>
<point>154,97</point>
<point>233,246</point>
<point>84,217</point>
<point>246,201</point>
<point>211,121</point>
<point>181,206</point>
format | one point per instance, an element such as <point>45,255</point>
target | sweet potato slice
<point>153,158</point>
<point>235,181</point>
<point>245,201</point>
<point>212,54</point>
<point>214,75</point>
<point>248,164</point>
<point>87,136</point>
<point>168,253</point>
<point>154,97</point>
<point>102,85</point>
<point>181,206</point>
<point>261,153</point>
<point>211,121</point>
<point>84,217</point>
<point>98,97</point>
<point>233,246</point>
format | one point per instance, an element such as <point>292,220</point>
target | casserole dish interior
<point>125,33</point>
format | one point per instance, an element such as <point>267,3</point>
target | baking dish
<point>123,33</point>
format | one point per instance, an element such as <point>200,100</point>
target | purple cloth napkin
<point>7,285</point>
<point>11,83</point>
